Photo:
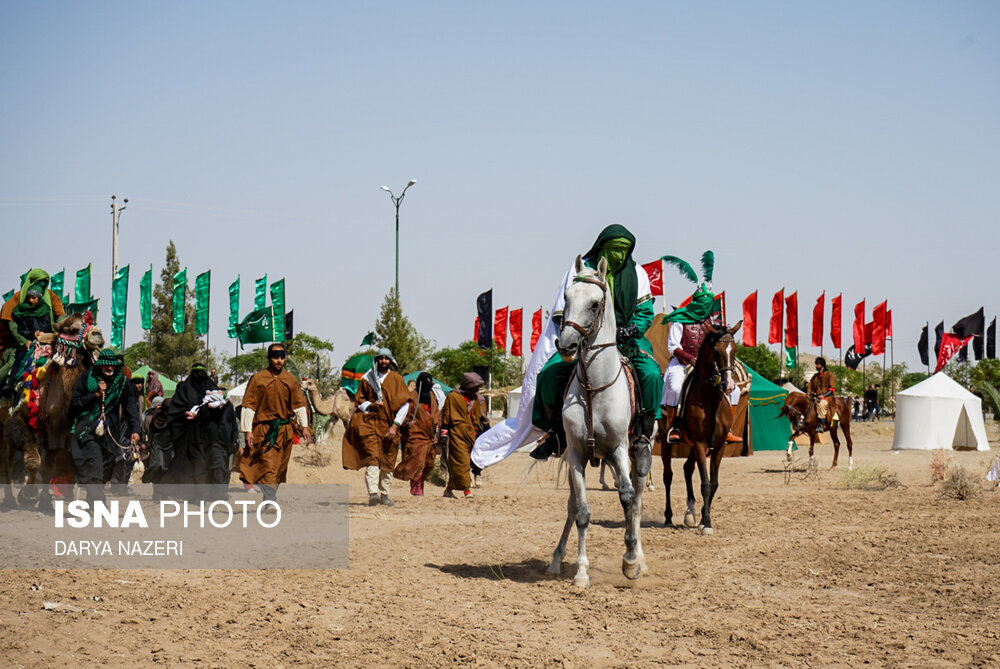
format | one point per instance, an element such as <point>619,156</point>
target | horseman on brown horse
<point>820,410</point>
<point>700,372</point>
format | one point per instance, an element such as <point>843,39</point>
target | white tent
<point>513,401</point>
<point>939,413</point>
<point>237,393</point>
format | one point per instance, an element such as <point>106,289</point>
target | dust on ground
<point>803,573</point>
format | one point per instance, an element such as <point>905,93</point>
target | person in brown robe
<point>822,387</point>
<point>419,436</point>
<point>273,400</point>
<point>372,438</point>
<point>464,416</point>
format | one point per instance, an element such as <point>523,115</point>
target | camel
<point>339,406</point>
<point>76,344</point>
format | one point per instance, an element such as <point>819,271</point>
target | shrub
<point>960,483</point>
<point>939,465</point>
<point>869,478</point>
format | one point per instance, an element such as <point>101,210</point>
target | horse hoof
<point>632,570</point>
<point>706,531</point>
<point>26,499</point>
<point>689,520</point>
<point>554,569</point>
<point>582,581</point>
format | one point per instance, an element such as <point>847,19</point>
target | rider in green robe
<point>634,313</point>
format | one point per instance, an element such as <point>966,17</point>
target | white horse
<point>596,415</point>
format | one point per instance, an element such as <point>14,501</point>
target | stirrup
<point>673,436</point>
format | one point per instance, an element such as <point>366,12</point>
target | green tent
<point>412,376</point>
<point>353,370</point>
<point>770,432</point>
<point>168,384</point>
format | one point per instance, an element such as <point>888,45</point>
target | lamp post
<point>396,201</point>
<point>115,213</point>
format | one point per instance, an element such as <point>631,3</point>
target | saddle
<point>633,397</point>
<point>740,376</point>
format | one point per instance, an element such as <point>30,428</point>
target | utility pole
<point>115,214</point>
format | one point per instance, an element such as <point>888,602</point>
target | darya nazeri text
<point>147,548</point>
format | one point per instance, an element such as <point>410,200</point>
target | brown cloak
<point>7,317</point>
<point>419,438</point>
<point>364,442</point>
<point>271,396</point>
<point>461,417</point>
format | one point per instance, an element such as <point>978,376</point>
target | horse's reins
<point>585,346</point>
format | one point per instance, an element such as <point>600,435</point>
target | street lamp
<point>396,201</point>
<point>115,213</point>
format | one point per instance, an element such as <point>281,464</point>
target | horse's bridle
<point>581,369</point>
<point>715,380</point>
<point>599,321</point>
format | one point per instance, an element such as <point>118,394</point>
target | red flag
<point>774,328</point>
<point>859,328</point>
<point>888,324</point>
<point>750,320</point>
<point>792,320</point>
<point>536,328</point>
<point>475,333</point>
<point>869,329</point>
<point>878,331</point>
<point>950,345</point>
<point>836,319</point>
<point>515,331</point>
<point>500,328</point>
<point>721,306</point>
<point>817,338</point>
<point>655,272</point>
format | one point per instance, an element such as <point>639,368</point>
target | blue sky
<point>849,147</point>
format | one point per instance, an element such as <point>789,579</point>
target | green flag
<point>369,339</point>
<point>56,282</point>
<point>202,289</point>
<point>180,293</point>
<point>8,295</point>
<point>260,293</point>
<point>83,285</point>
<point>119,304</point>
<point>146,299</point>
<point>234,307</point>
<point>81,307</point>
<point>790,357</point>
<point>256,328</point>
<point>278,308</point>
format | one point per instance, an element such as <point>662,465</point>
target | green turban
<point>696,311</point>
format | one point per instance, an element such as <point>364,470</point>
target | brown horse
<point>707,417</point>
<point>801,413</point>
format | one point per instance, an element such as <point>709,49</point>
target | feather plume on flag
<point>707,266</point>
<point>685,269</point>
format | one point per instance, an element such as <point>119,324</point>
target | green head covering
<point>616,243</point>
<point>696,311</point>
<point>35,282</point>
<point>109,356</point>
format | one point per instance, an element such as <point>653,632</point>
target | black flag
<point>289,328</point>
<point>991,339</point>
<point>922,347</point>
<point>938,334</point>
<point>484,306</point>
<point>852,359</point>
<point>973,326</point>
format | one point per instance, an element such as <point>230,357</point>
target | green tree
<point>762,360</point>
<point>309,356</point>
<point>173,354</point>
<point>986,371</point>
<point>394,331</point>
<point>136,355</point>
<point>242,366</point>
<point>449,364</point>
<point>911,379</point>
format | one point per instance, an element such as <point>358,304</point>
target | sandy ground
<point>798,573</point>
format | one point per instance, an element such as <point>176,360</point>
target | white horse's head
<point>584,310</point>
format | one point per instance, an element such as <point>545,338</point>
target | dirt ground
<point>798,573</point>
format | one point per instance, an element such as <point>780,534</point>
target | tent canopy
<point>937,413</point>
<point>169,385</point>
<point>769,431</point>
